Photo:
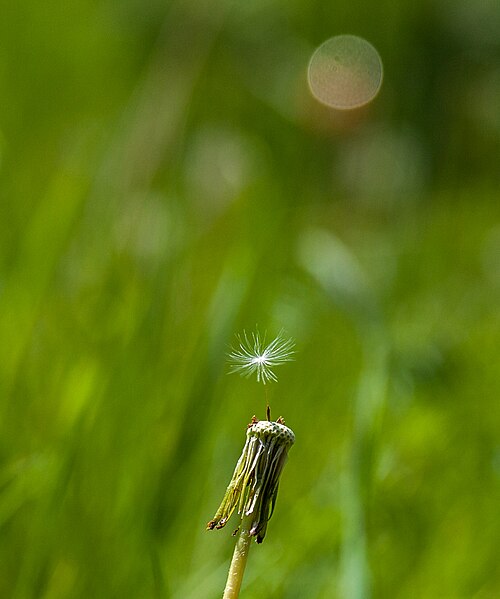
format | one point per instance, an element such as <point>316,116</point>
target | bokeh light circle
<point>345,72</point>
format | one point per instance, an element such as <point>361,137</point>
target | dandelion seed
<point>253,356</point>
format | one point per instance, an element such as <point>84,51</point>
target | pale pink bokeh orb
<point>345,72</point>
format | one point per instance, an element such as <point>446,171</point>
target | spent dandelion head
<point>254,485</point>
<point>253,356</point>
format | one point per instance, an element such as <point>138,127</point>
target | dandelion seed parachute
<point>252,356</point>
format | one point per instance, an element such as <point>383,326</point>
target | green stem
<point>239,561</point>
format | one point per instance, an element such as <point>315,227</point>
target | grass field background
<point>167,181</point>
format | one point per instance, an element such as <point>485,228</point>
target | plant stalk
<point>239,561</point>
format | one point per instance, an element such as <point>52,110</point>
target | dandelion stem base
<point>238,563</point>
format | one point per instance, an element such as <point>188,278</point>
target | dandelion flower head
<point>253,356</point>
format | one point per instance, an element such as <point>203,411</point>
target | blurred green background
<point>167,181</point>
